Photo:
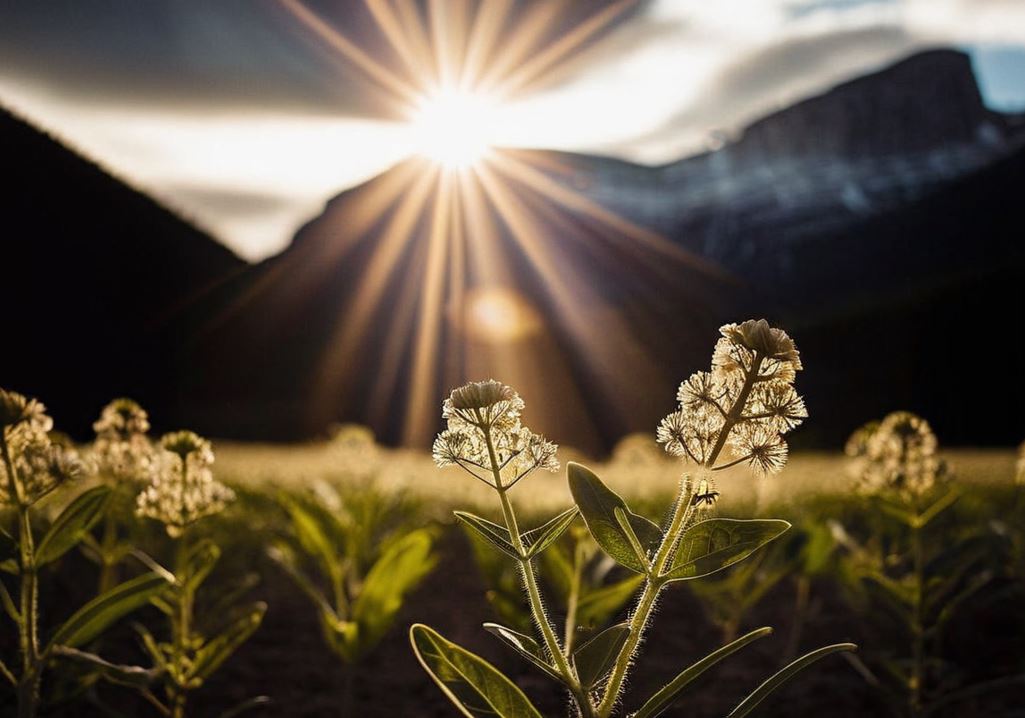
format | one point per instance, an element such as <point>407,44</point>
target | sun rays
<point>472,260</point>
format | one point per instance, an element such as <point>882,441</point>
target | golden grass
<point>637,469</point>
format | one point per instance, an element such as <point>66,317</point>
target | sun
<point>454,127</point>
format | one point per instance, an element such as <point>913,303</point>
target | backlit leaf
<point>72,524</point>
<point>595,658</point>
<point>524,645</point>
<point>712,545</point>
<point>598,504</point>
<point>478,689</point>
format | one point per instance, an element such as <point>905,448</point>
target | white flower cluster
<point>122,449</point>
<point>897,454</point>
<point>484,433</point>
<point>34,464</point>
<point>746,403</point>
<point>182,488</point>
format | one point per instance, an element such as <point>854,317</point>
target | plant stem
<point>537,608</point>
<point>652,587</point>
<point>681,515</point>
<point>181,629</point>
<point>28,689</point>
<point>28,625</point>
<point>917,622</point>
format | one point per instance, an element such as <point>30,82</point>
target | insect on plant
<point>743,406</point>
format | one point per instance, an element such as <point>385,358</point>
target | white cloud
<point>652,90</point>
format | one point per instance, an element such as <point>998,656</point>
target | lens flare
<point>499,316</point>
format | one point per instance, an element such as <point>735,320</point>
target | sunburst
<point>506,278</point>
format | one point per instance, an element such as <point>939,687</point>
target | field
<point>809,601</point>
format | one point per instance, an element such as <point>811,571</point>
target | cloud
<point>199,102</point>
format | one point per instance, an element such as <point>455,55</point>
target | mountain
<point>880,223</point>
<point>93,274</point>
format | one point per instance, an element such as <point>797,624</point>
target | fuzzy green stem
<point>652,587</point>
<point>681,516</point>
<point>537,608</point>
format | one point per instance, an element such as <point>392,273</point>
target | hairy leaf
<point>72,524</point>
<point>659,702</point>
<point>712,545</point>
<point>473,685</point>
<point>595,658</point>
<point>598,504</point>
<point>545,535</point>
<point>525,646</point>
<point>497,536</point>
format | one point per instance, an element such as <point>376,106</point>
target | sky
<point>243,117</point>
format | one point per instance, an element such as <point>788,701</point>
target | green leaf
<point>216,651</point>
<point>151,646</point>
<point>659,702</point>
<point>8,603</point>
<point>476,687</point>
<point>595,658</point>
<point>497,536</point>
<point>785,674</point>
<point>93,618</point>
<point>135,676</point>
<point>246,705</point>
<point>598,504</point>
<point>712,545</point>
<point>525,646</point>
<point>595,608</point>
<point>312,536</point>
<point>403,566</point>
<point>285,557</point>
<point>199,563</point>
<point>537,540</point>
<point>944,502</point>
<point>72,524</point>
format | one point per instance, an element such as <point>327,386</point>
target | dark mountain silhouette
<point>92,273</point>
<point>880,222</point>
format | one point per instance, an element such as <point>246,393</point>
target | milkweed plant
<point>737,413</point>
<point>902,570</point>
<point>182,491</point>
<point>124,457</point>
<point>36,465</point>
<point>355,557</point>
